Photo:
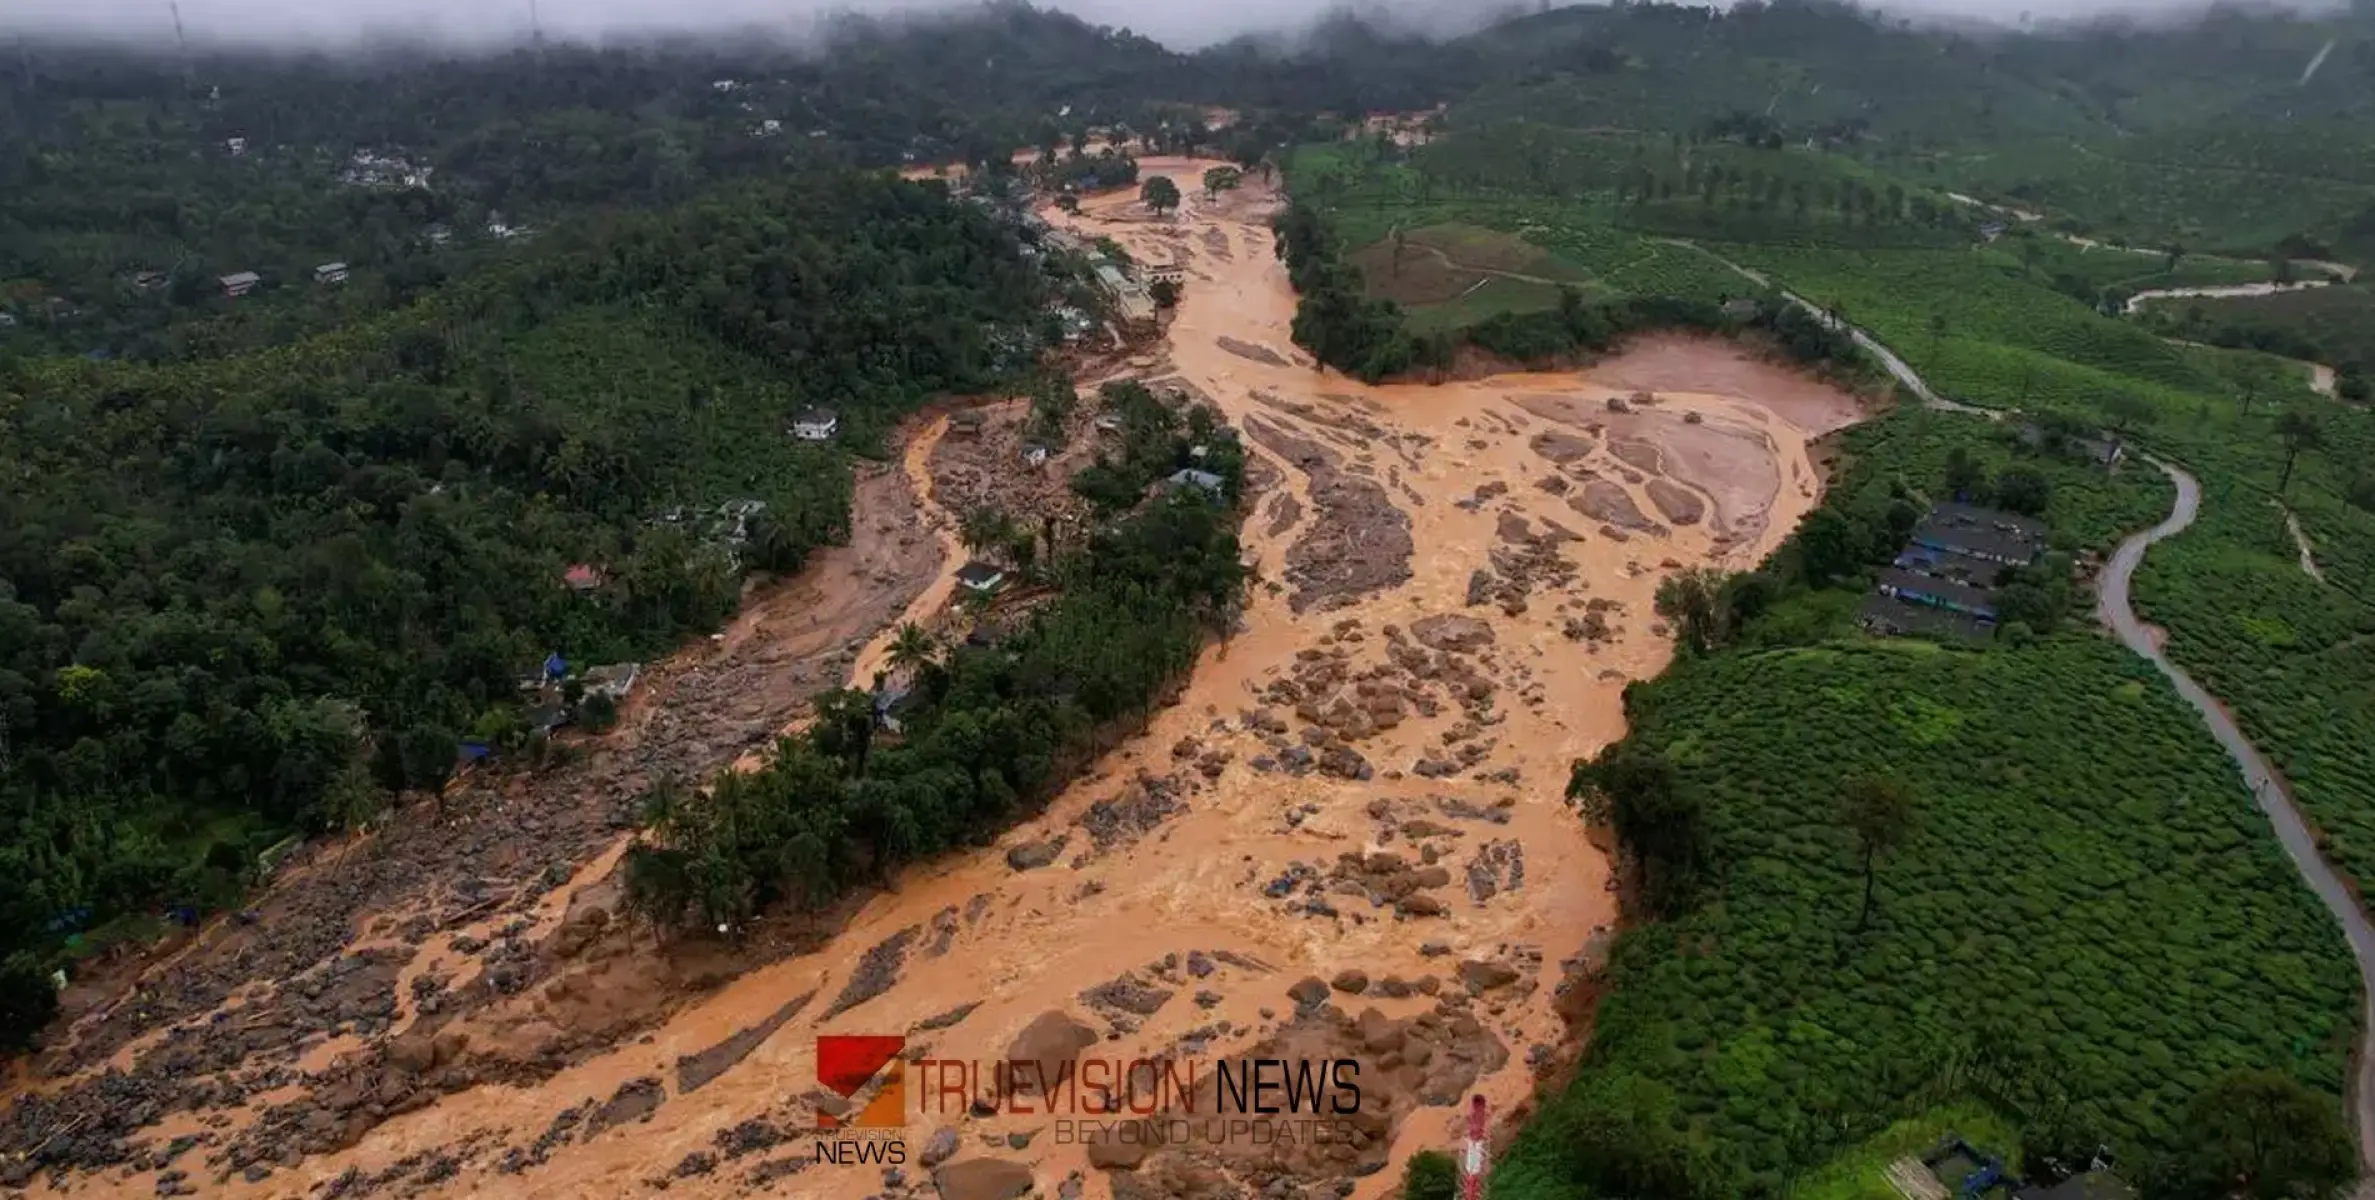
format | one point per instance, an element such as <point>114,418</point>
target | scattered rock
<point>876,972</point>
<point>694,1071</point>
<point>1128,995</point>
<point>1453,632</point>
<point>635,1100</point>
<point>1030,856</point>
<point>941,1148</point>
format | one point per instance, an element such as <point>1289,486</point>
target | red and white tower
<point>1472,1163</point>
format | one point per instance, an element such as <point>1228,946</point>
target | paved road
<point>2111,604</point>
<point>1896,367</point>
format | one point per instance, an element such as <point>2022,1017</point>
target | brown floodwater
<point>1725,439</point>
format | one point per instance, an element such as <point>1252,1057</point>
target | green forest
<point>246,595</point>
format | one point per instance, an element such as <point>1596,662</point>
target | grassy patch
<point>2171,199</point>
<point>1862,1173</point>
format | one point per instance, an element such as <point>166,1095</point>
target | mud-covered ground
<point>1346,838</point>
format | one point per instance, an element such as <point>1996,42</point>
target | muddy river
<point>1356,801</point>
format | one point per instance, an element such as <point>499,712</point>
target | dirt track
<point>1355,805</point>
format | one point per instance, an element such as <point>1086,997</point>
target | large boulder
<point>983,1179</point>
<point>1050,1042</point>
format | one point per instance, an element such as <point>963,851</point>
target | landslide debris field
<point>1346,837</point>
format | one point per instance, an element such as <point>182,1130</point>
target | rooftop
<point>1203,479</point>
<point>1944,590</point>
<point>814,416</point>
<point>1984,532</point>
<point>1946,564</point>
<point>980,574</point>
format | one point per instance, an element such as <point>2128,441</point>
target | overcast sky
<point>1181,23</point>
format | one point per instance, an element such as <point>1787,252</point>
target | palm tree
<point>912,650</point>
<point>2300,432</point>
<point>1880,815</point>
<point>981,529</point>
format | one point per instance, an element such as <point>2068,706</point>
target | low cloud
<point>347,24</point>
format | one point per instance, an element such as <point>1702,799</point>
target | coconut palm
<point>982,530</point>
<point>912,649</point>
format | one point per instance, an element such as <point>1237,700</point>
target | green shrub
<point>1431,1175</point>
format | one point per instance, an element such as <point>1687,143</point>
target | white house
<point>768,127</point>
<point>237,146</point>
<point>1173,272</point>
<point>241,283</point>
<point>981,577</point>
<point>614,680</point>
<point>1204,481</point>
<point>331,272</point>
<point>1035,454</point>
<point>815,424</point>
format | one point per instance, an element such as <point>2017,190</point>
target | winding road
<point>2112,606</point>
<point>2292,832</point>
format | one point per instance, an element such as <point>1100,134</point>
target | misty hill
<point>116,163</point>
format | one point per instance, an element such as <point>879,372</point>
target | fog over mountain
<point>334,24</point>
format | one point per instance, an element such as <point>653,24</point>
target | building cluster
<point>545,695</point>
<point>1944,580</point>
<point>240,283</point>
<point>372,169</point>
<point>726,528</point>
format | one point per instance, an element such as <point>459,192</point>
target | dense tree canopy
<point>240,595</point>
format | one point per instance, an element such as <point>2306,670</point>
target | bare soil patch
<point>1673,362</point>
<point>1676,503</point>
<point>1606,501</point>
<point>1561,448</point>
